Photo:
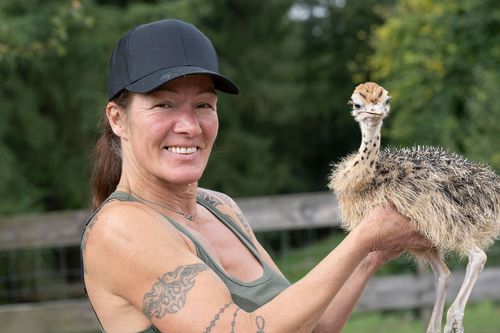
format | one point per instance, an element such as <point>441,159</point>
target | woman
<point>161,254</point>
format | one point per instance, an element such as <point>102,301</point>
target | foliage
<point>34,117</point>
<point>53,58</point>
<point>258,51</point>
<point>295,72</point>
<point>440,62</point>
<point>334,37</point>
<point>290,121</point>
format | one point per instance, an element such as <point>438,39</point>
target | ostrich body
<point>453,202</point>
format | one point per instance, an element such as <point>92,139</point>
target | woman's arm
<point>142,259</point>
<point>342,305</point>
<point>340,308</point>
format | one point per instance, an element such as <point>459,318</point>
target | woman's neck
<point>180,198</point>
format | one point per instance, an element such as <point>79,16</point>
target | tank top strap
<point>122,196</point>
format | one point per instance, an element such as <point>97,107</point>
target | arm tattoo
<point>217,316</point>
<point>233,322</point>
<point>260,324</point>
<point>168,294</point>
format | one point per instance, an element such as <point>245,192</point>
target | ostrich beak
<point>374,110</point>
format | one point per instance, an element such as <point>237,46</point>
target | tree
<point>53,61</point>
<point>278,136</point>
<point>29,102</point>
<point>257,48</point>
<point>440,61</point>
<point>334,38</point>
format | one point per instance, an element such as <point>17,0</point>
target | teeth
<point>182,150</point>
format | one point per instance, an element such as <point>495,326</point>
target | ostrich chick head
<point>370,104</point>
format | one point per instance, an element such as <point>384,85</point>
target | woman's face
<point>170,132</point>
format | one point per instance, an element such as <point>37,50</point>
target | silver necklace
<point>187,216</point>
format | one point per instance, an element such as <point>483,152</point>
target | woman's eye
<point>163,105</point>
<point>205,106</point>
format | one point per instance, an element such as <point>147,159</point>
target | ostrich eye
<point>387,101</point>
<point>354,105</point>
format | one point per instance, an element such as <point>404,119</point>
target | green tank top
<point>247,295</point>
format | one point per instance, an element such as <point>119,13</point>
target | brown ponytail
<point>107,158</point>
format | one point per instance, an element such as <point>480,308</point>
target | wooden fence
<point>296,211</point>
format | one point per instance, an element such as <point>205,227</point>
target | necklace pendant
<point>188,216</point>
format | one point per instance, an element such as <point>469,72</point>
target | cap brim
<point>156,79</point>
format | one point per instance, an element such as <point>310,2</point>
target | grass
<point>297,262</point>
<point>479,318</point>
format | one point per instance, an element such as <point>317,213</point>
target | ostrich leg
<point>442,278</point>
<point>455,317</point>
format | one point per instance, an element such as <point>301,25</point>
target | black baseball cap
<point>152,54</point>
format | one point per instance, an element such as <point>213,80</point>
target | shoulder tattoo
<point>218,198</point>
<point>85,238</point>
<point>244,222</point>
<point>168,294</point>
<point>226,199</point>
<point>210,197</point>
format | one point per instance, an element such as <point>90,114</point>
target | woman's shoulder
<point>122,217</point>
<point>122,225</point>
<point>126,248</point>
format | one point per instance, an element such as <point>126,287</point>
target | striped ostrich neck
<point>370,144</point>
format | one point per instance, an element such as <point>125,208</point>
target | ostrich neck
<point>370,145</point>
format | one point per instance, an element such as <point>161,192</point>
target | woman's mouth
<point>182,150</point>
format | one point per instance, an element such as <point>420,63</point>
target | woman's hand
<point>389,234</point>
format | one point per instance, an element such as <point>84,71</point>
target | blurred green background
<point>296,62</point>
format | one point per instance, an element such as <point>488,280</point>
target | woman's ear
<point>117,120</point>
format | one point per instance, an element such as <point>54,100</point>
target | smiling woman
<point>160,128</point>
<point>162,255</point>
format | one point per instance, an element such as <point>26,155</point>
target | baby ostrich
<point>453,202</point>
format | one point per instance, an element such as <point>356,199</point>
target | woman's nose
<point>187,122</point>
